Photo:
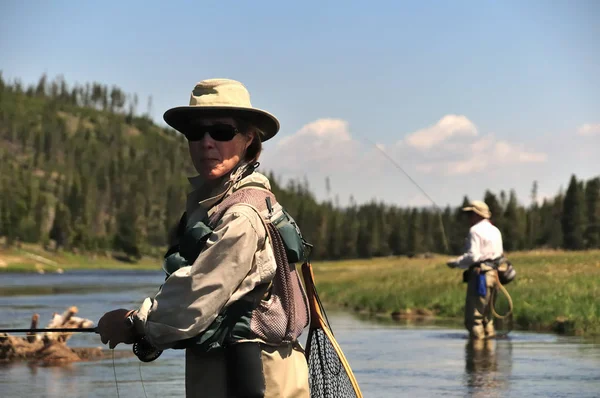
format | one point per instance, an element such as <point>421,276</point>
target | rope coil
<point>500,287</point>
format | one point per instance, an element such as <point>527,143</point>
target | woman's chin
<point>213,173</point>
<point>211,170</point>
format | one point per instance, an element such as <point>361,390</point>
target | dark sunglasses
<point>218,132</point>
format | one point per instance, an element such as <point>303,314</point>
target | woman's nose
<point>206,140</point>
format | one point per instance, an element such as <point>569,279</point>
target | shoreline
<point>554,291</point>
<point>558,328</point>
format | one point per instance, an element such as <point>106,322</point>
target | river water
<point>389,360</point>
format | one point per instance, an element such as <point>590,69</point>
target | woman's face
<point>215,147</point>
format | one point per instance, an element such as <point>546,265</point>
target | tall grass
<point>553,290</point>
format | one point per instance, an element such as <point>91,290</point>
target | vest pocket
<point>292,238</point>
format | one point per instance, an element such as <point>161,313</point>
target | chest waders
<point>505,273</point>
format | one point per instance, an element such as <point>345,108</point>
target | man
<point>484,244</point>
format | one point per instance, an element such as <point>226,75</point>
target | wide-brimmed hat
<point>221,98</point>
<point>478,207</point>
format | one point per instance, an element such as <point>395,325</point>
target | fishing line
<point>115,372</point>
<point>418,186</point>
<point>142,380</point>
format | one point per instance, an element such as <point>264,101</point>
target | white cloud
<point>450,147</point>
<point>447,127</point>
<point>322,144</point>
<point>483,144</point>
<point>589,129</point>
<point>326,129</point>
<point>486,153</point>
<point>504,152</point>
<point>472,165</point>
<point>460,164</point>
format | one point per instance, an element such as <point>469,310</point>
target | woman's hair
<point>255,148</point>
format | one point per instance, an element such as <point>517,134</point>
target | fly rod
<point>60,330</point>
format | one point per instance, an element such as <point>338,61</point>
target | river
<point>388,359</point>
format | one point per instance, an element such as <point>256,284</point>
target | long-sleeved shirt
<point>484,242</point>
<point>237,257</point>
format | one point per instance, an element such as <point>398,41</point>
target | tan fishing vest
<point>281,317</point>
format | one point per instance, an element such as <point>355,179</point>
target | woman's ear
<point>251,136</point>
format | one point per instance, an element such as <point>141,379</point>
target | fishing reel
<point>145,351</point>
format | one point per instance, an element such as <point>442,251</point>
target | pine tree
<point>438,232</point>
<point>40,90</point>
<point>61,231</point>
<point>533,219</point>
<point>514,228</point>
<point>496,209</point>
<point>350,233</point>
<point>460,228</point>
<point>573,217</point>
<point>592,198</point>
<point>334,243</point>
<point>397,237</point>
<point>127,237</point>
<point>555,237</point>
<point>415,233</point>
<point>449,223</point>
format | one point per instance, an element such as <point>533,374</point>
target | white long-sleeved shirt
<point>484,242</point>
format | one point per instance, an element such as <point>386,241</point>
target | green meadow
<point>553,291</point>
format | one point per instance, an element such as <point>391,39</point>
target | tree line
<point>80,169</point>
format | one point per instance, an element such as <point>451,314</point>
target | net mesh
<point>327,375</point>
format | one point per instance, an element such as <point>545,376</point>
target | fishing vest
<point>276,312</point>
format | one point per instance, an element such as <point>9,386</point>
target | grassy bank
<point>554,290</point>
<point>32,258</point>
<point>558,291</point>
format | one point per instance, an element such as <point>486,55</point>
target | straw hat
<point>478,207</point>
<point>221,98</point>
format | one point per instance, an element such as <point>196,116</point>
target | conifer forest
<point>82,170</point>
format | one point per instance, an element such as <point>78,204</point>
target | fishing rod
<point>61,330</point>
<point>142,348</point>
<point>446,246</point>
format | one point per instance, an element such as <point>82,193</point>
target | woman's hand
<point>114,330</point>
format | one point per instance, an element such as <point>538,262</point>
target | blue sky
<point>465,95</point>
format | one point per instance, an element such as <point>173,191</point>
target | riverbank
<point>33,258</point>
<point>554,290</point>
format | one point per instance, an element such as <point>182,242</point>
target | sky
<point>464,96</point>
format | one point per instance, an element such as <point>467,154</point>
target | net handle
<point>316,316</point>
<point>317,321</point>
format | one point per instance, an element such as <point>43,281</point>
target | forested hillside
<point>80,169</point>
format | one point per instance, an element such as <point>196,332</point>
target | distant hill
<point>80,170</point>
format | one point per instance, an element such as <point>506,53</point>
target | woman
<point>230,299</point>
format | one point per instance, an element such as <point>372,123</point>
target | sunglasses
<point>218,132</point>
